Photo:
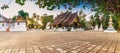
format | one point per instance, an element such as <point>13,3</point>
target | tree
<point>97,20</point>
<point>52,4</point>
<point>23,14</point>
<point>116,23</point>
<point>92,21</point>
<point>103,5</point>
<point>82,19</point>
<point>14,17</point>
<point>21,2</point>
<point>88,25</point>
<point>112,6</point>
<point>83,23</point>
<point>5,6</point>
<point>105,23</point>
<point>105,20</point>
<point>46,19</point>
<point>30,23</point>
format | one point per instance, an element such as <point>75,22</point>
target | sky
<point>31,8</point>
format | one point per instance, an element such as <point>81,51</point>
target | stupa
<point>110,27</point>
<point>101,28</point>
<point>96,28</point>
<point>72,29</point>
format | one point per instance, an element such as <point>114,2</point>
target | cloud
<point>29,7</point>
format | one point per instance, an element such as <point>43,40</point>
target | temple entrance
<point>75,25</point>
<point>59,25</point>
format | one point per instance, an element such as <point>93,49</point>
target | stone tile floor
<point>60,42</point>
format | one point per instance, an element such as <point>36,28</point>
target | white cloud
<point>29,7</point>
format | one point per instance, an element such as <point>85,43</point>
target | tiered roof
<point>20,19</point>
<point>59,18</point>
<point>9,20</point>
<point>5,19</point>
<point>71,18</point>
<point>65,18</point>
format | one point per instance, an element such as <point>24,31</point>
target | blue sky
<point>31,8</point>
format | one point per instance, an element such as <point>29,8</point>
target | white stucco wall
<point>1,19</point>
<point>13,26</point>
<point>20,27</point>
<point>3,28</point>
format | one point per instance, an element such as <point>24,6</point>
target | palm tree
<point>92,22</point>
<point>105,20</point>
<point>97,20</point>
<point>82,19</point>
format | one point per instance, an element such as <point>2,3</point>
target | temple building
<point>12,25</point>
<point>3,23</point>
<point>67,20</point>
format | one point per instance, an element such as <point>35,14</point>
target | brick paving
<point>59,42</point>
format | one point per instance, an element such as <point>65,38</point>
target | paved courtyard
<point>59,42</point>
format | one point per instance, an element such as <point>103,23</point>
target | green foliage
<point>21,2</point>
<point>82,19</point>
<point>105,22</point>
<point>23,14</point>
<point>97,20</point>
<point>52,4</point>
<point>91,17</point>
<point>69,29</point>
<point>94,5</point>
<point>31,21</point>
<point>31,25</point>
<point>4,7</point>
<point>116,21</point>
<point>83,22</point>
<point>108,7</point>
<point>46,19</point>
<point>92,22</point>
<point>14,17</point>
<point>88,25</point>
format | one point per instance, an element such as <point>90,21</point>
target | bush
<point>69,29</point>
